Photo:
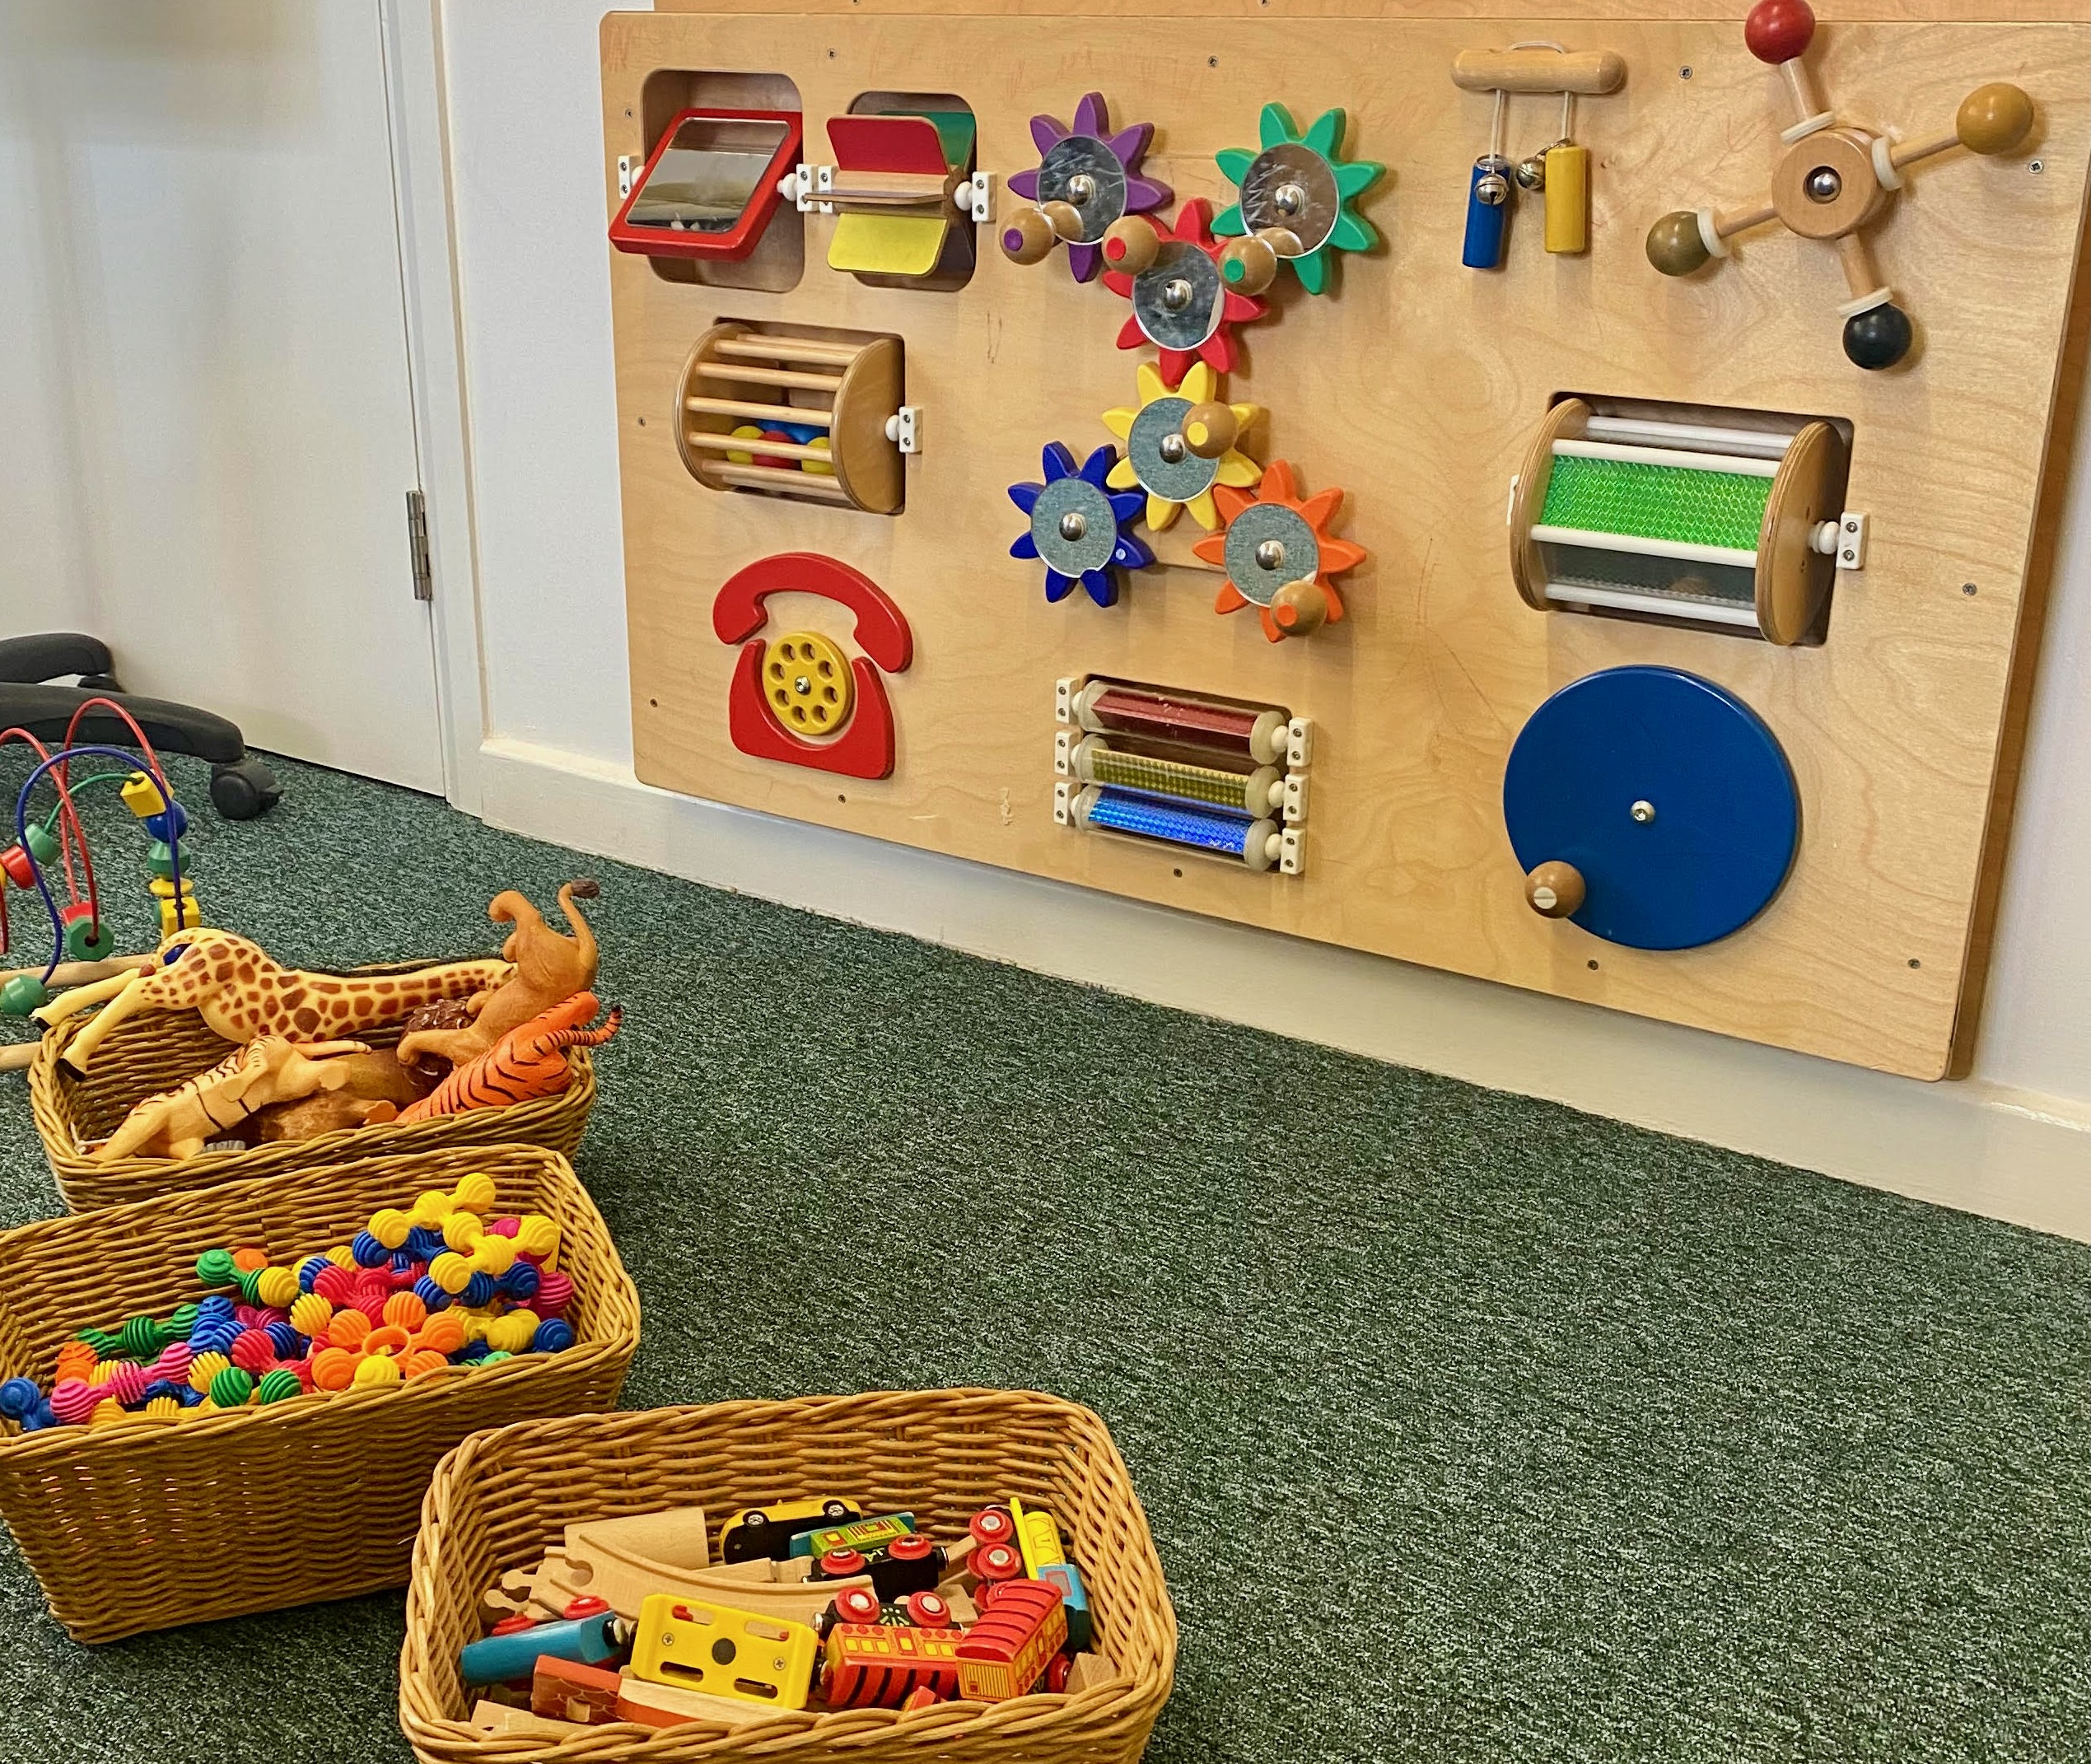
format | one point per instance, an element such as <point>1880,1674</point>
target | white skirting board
<point>2007,1153</point>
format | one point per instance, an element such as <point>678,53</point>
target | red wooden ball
<point>1777,30</point>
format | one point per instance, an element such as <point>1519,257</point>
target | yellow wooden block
<point>887,245</point>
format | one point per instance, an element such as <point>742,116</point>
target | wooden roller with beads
<point>738,376</point>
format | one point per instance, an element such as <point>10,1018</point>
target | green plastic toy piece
<point>275,1386</point>
<point>22,995</point>
<point>1336,181</point>
<point>215,1267</point>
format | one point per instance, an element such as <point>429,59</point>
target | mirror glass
<point>709,173</point>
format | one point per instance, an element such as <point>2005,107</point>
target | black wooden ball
<point>1879,337</point>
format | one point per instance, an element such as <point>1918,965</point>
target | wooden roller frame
<point>1793,579</point>
<point>735,375</point>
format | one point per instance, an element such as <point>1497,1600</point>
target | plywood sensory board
<point>1859,773</point>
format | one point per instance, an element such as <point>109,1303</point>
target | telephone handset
<point>803,700</point>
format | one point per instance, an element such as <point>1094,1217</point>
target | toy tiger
<point>529,1062</point>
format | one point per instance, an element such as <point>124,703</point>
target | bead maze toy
<point>1834,179</point>
<point>1088,180</point>
<point>80,937</point>
<point>1852,557</point>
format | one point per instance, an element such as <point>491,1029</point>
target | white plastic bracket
<point>904,428</point>
<point>1298,743</point>
<point>627,167</point>
<point>1849,544</point>
<point>1292,851</point>
<point>1063,697</point>
<point>1063,752</point>
<point>1063,804</point>
<point>976,198</point>
<point>1296,798</point>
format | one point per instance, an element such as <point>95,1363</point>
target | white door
<point>206,425</point>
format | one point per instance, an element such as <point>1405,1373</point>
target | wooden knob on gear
<point>1130,245</point>
<point>1993,118</point>
<point>1300,609</point>
<point>1063,217</point>
<point>1028,235</point>
<point>1554,890</point>
<point>1675,244</point>
<point>1211,429</point>
<point>1249,265</point>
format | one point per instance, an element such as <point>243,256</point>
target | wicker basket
<point>147,1523</point>
<point>501,1499</point>
<point>158,1050</point>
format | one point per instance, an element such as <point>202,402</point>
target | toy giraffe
<point>241,993</point>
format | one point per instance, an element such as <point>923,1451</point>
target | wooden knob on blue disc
<point>1554,890</point>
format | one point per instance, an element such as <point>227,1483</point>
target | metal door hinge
<point>418,545</point>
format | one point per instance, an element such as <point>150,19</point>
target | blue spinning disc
<point>1667,793</point>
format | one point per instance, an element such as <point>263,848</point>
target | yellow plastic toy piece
<point>724,1653</point>
<point>1038,1536</point>
<point>887,245</point>
<point>1198,394</point>
<point>141,795</point>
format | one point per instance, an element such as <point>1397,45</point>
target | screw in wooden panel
<point>1682,73</point>
<point>1915,963</point>
<point>1593,964</point>
<point>2036,165</point>
<point>1967,587</point>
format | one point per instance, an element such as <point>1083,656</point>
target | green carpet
<point>1470,1427</point>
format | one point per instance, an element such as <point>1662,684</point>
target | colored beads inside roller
<point>1129,811</point>
<point>442,1283</point>
<point>1111,706</point>
<point>1193,773</point>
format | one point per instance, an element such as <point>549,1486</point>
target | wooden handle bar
<point>713,442</point>
<point>755,413</point>
<point>1590,71</point>
<point>786,349</point>
<point>770,376</point>
<point>769,477</point>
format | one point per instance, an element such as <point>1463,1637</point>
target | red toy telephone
<point>804,702</point>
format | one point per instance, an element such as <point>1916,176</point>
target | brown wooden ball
<point>1674,245</point>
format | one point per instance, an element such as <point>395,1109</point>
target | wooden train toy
<point>888,1617</point>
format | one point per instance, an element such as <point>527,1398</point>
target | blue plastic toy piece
<point>590,1640</point>
<point>1667,793</point>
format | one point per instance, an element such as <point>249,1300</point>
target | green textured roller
<point>1170,777</point>
<point>1683,504</point>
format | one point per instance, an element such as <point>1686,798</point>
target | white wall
<point>2013,1141</point>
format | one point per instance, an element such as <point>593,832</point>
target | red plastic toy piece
<point>865,747</point>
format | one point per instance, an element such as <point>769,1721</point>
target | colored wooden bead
<point>1777,30</point>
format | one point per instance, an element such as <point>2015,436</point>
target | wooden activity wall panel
<point>1701,721</point>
